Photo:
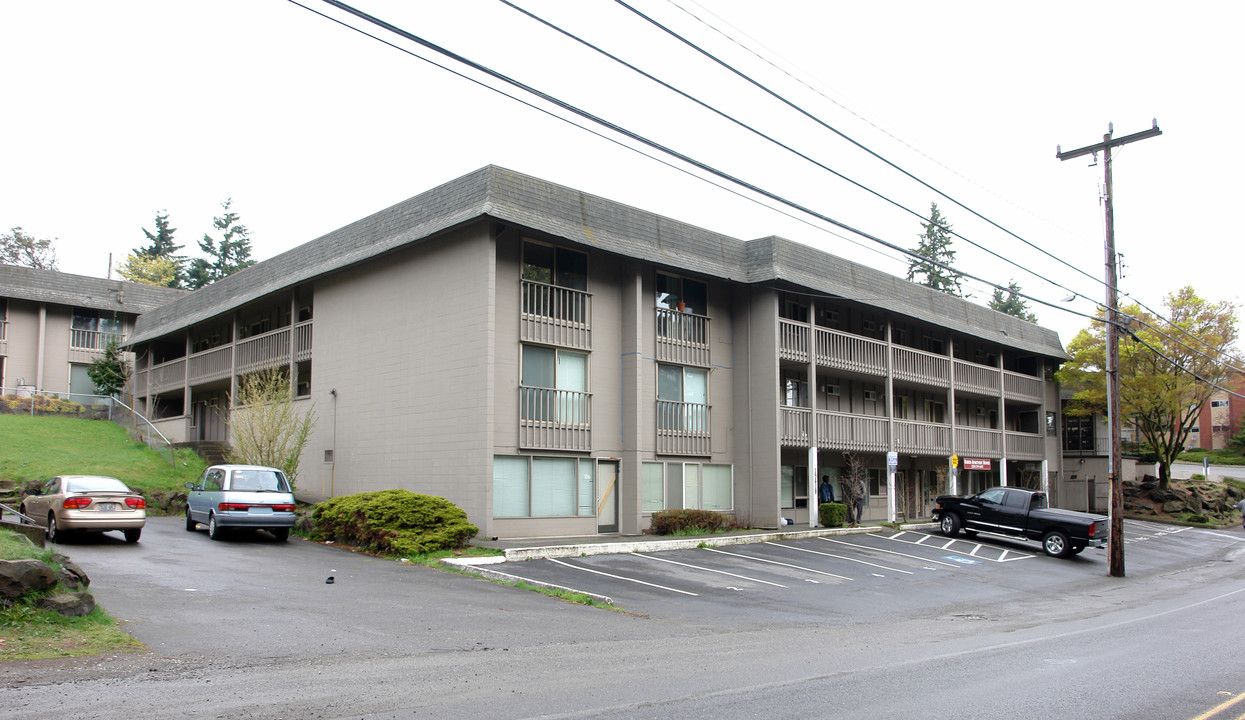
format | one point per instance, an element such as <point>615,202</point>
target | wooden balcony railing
<point>793,426</point>
<point>921,367</point>
<point>555,315</point>
<point>551,419</point>
<point>167,376</point>
<point>683,428</point>
<point>793,341</point>
<point>91,339</point>
<point>302,341</point>
<point>1025,446</point>
<point>975,442</point>
<point>922,438</point>
<point>978,379</point>
<point>844,351</point>
<point>1025,388</point>
<point>209,365</point>
<point>264,351</point>
<point>682,337</point>
<point>842,431</point>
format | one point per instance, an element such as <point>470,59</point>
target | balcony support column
<point>187,410</point>
<point>814,471</point>
<point>953,472</point>
<point>891,513</point>
<point>1002,423</point>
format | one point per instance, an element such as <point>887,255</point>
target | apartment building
<point>559,364</point>
<point>1221,417</point>
<point>53,325</point>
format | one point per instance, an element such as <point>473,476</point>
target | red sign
<point>976,463</point>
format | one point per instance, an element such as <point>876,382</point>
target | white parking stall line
<point>892,552</point>
<point>956,545</point>
<point>621,577</point>
<point>775,562</point>
<point>1233,538</point>
<point>712,570</point>
<point>842,557</point>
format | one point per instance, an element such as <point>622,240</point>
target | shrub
<point>670,522</point>
<point>394,522</point>
<point>832,514</point>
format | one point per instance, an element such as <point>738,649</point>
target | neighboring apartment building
<point>53,325</point>
<point>559,364</point>
<point>1086,480</point>
<point>1221,417</point>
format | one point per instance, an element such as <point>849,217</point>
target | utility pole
<point>1115,549</point>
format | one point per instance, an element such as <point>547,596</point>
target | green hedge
<point>394,522</point>
<point>832,514</point>
<point>669,522</point>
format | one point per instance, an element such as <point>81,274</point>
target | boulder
<point>69,604</point>
<point>18,577</point>
<point>70,575</point>
<point>1173,506</point>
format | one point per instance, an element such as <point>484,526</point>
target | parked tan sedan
<point>89,503</point>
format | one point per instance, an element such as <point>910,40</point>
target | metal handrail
<point>172,452</point>
<point>26,519</point>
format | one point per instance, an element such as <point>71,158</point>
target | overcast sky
<point>117,111</point>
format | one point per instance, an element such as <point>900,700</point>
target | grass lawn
<point>37,448</point>
<point>29,633</point>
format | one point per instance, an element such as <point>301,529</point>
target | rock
<point>18,577</point>
<point>1173,506</point>
<point>70,575</point>
<point>69,604</point>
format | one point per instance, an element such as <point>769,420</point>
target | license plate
<point>105,506</point>
<point>261,510</point>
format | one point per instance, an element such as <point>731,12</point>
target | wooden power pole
<point>1115,549</point>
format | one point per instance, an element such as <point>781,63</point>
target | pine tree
<point>163,250</point>
<point>935,247</point>
<point>230,255</point>
<point>1012,303</point>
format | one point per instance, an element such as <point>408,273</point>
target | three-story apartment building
<point>559,364</point>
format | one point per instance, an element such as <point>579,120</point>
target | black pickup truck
<point>1023,513</point>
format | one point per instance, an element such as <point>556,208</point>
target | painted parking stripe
<point>706,569</point>
<point>892,552</point>
<point>841,557</point>
<point>956,545</point>
<point>621,577</point>
<point>775,562</point>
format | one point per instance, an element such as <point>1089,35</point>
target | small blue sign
<point>960,560</point>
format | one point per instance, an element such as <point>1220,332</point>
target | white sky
<point>116,111</point>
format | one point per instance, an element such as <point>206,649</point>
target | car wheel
<point>281,534</point>
<point>950,524</point>
<point>132,536</point>
<point>1055,543</point>
<point>53,532</point>
<point>190,522</point>
<point>214,531</point>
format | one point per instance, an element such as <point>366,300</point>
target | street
<point>249,628</point>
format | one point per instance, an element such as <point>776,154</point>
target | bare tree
<point>266,427</point>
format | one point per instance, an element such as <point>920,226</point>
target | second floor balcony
<point>683,428</point>
<point>271,349</point>
<point>552,419</point>
<point>682,337</point>
<point>86,346</point>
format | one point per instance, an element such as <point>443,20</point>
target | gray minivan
<point>241,496</point>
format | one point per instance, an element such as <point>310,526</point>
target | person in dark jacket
<point>825,493</point>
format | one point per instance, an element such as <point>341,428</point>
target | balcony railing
<point>1097,447</point>
<point>682,337</point>
<point>1025,388</point>
<point>140,383</point>
<point>978,379</point>
<point>793,341</point>
<point>976,442</point>
<point>1025,446</point>
<point>302,341</point>
<point>264,351</point>
<point>844,351</point>
<point>683,428</point>
<point>209,365</point>
<point>793,430</point>
<point>922,438</point>
<point>555,315</point>
<point>551,419</point>
<point>167,376</point>
<point>843,431</point>
<point>921,367</point>
<point>91,339</point>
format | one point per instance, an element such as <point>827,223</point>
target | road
<point>249,628</point>
<point>1185,470</point>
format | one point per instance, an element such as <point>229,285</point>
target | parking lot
<point>845,576</point>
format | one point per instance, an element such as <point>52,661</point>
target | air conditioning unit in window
<point>981,411</point>
<point>871,395</point>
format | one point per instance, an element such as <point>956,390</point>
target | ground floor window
<point>690,486</point>
<point>794,486</point>
<point>525,486</point>
<point>652,487</point>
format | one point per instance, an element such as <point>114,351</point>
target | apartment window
<point>935,412</point>
<point>1219,403</point>
<point>901,407</point>
<point>705,486</point>
<point>877,481</point>
<point>91,330</point>
<point>554,268</point>
<point>554,385</point>
<point>794,487</point>
<point>673,290</point>
<point>682,398</point>
<point>543,486</point>
<point>652,487</point>
<point>1078,433</point>
<point>935,345</point>
<point>795,393</point>
<point>794,310</point>
<point>1050,424</point>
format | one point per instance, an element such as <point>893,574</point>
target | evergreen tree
<point>1012,303</point>
<point>161,272</point>
<point>109,372</point>
<point>230,255</point>
<point>162,249</point>
<point>935,248</point>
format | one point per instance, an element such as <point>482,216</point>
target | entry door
<point>607,497</point>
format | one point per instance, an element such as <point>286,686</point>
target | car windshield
<point>95,484</point>
<point>258,481</point>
